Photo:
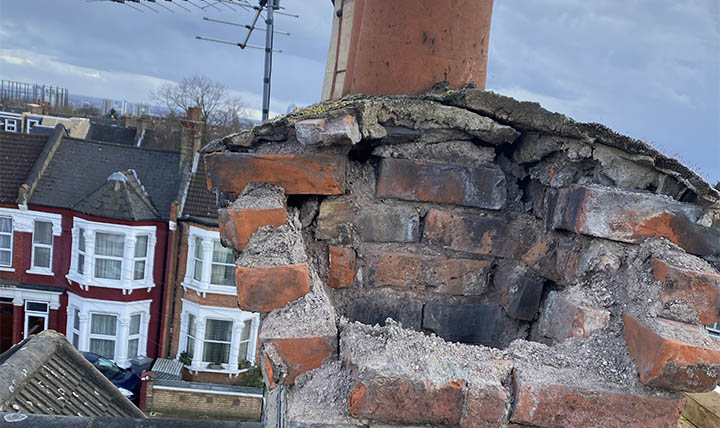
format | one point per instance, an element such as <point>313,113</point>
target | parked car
<point>125,380</point>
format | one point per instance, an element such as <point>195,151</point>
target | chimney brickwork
<point>469,260</point>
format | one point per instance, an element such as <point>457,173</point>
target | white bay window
<point>210,267</point>
<point>115,330</point>
<point>111,255</point>
<point>217,339</point>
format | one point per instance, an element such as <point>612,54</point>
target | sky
<point>649,69</point>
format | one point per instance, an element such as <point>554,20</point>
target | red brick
<point>485,407</point>
<point>546,403</point>
<point>302,354</point>
<point>296,174</point>
<point>691,365</point>
<point>264,289</point>
<point>521,239</point>
<point>238,225</point>
<point>482,187</point>
<point>630,217</point>
<point>406,401</point>
<point>701,290</point>
<point>269,373</point>
<point>563,318</point>
<point>418,271</point>
<point>343,265</point>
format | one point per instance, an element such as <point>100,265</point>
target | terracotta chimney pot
<point>383,47</point>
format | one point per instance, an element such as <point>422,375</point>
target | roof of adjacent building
<point>121,197</point>
<point>200,202</point>
<point>45,374</point>
<point>76,177</point>
<point>111,132</point>
<point>18,153</point>
<point>47,421</point>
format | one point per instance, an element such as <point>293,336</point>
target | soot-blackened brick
<point>520,291</point>
<point>467,323</point>
<point>481,187</point>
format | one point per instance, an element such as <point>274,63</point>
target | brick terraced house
<point>83,241</point>
<point>207,327</point>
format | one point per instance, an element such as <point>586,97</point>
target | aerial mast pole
<point>273,4</point>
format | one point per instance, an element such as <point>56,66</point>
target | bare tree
<point>226,118</point>
<point>192,91</point>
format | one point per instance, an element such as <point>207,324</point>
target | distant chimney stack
<point>191,130</point>
<point>384,47</point>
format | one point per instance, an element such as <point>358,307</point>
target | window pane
<point>5,258</point>
<point>76,319</point>
<point>109,244</point>
<point>222,254</point>
<point>191,325</point>
<point>223,275</point>
<point>198,248</point>
<point>218,330</point>
<point>197,270</point>
<point>134,324</point>
<point>81,240</point>
<point>216,352</point>
<point>139,271</point>
<point>76,339</point>
<point>42,233</point>
<point>5,241</point>
<point>81,263</point>
<point>103,347</point>
<point>41,257</point>
<point>190,347</point>
<point>5,225</point>
<point>243,352</point>
<point>246,330</point>
<point>141,246</point>
<point>133,348</point>
<point>108,269</point>
<point>36,307</point>
<point>103,324</point>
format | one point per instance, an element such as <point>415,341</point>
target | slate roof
<point>111,133</point>
<point>80,168</point>
<point>46,421</point>
<point>45,374</point>
<point>121,197</point>
<point>200,202</point>
<point>18,153</point>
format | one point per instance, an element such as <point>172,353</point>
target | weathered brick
<point>564,318</point>
<point>482,187</point>
<point>238,225</point>
<point>466,323</point>
<point>343,265</point>
<point>485,407</point>
<point>521,239</point>
<point>334,218</point>
<point>406,401</point>
<point>264,289</point>
<point>673,355</point>
<point>375,305</point>
<point>296,174</point>
<point>341,130</point>
<point>520,291</point>
<point>630,217</point>
<point>554,403</point>
<point>700,290</point>
<point>388,224</point>
<point>302,354</point>
<point>418,271</point>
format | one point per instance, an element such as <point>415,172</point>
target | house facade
<point>83,242</point>
<point>210,333</point>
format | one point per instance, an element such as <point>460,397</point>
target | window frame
<point>229,343</point>
<point>213,263</point>
<point>144,259</point>
<point>134,336</point>
<point>12,242</point>
<point>130,235</point>
<point>200,255</point>
<point>202,314</point>
<point>99,336</point>
<point>75,327</point>
<point>35,313</point>
<point>41,270</point>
